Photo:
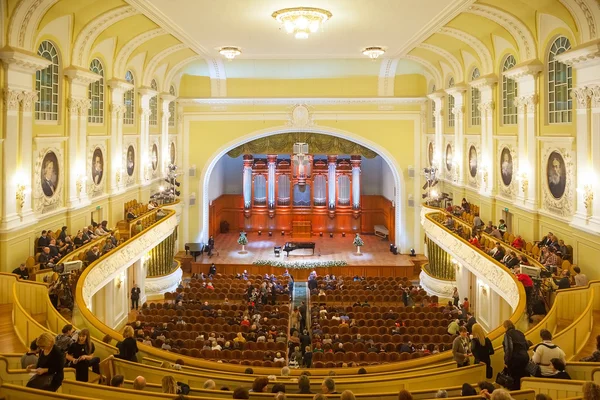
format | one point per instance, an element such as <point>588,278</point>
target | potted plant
<point>358,242</point>
<point>243,240</point>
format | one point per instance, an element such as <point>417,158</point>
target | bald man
<point>139,383</point>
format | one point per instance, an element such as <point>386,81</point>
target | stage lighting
<point>330,234</point>
<point>321,234</point>
<point>343,234</point>
<point>270,233</point>
<point>282,233</point>
<point>412,253</point>
<point>391,247</point>
<point>259,233</point>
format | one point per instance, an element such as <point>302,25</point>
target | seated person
<point>475,241</point>
<point>496,233</point>
<point>45,257</point>
<point>160,213</point>
<point>518,243</point>
<point>498,252</point>
<point>551,260</point>
<point>465,205</point>
<point>449,223</point>
<point>513,260</point>
<point>477,222</point>
<point>21,270</point>
<point>489,227</point>
<point>108,246</point>
<point>502,226</point>
<point>130,214</point>
<point>80,240</point>
<point>92,255</point>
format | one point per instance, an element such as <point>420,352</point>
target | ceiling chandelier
<point>230,52</point>
<point>301,21</point>
<point>373,52</point>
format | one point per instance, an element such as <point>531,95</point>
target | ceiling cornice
<point>290,101</point>
<point>449,13</point>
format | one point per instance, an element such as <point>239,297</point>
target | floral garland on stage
<point>301,264</point>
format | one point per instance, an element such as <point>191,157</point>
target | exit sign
<point>98,207</point>
<point>506,209</point>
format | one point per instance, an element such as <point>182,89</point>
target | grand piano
<point>291,246</point>
<point>195,249</point>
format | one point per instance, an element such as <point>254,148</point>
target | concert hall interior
<point>385,199</point>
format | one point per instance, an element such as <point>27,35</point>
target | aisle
<point>302,294</point>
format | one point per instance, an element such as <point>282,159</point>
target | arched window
<point>560,83</point>
<point>475,100</point>
<point>172,107</point>
<point>509,94</point>
<point>129,100</point>
<point>433,109</point>
<point>450,104</point>
<point>154,104</point>
<point>46,84</point>
<point>96,94</point>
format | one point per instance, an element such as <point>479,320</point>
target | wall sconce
<point>118,177</point>
<point>79,184</point>
<point>119,281</point>
<point>588,196</point>
<point>523,177</point>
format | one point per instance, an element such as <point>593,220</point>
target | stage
<point>376,258</point>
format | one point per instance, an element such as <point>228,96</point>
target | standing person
<point>461,348</point>
<point>516,357</point>
<point>48,372</point>
<point>128,347</point>
<point>482,349</point>
<point>135,296</point>
<point>455,297</point>
<point>81,356</point>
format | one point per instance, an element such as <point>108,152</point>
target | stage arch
<point>399,198</point>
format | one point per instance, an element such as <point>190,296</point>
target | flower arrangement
<point>301,264</point>
<point>358,241</point>
<point>243,240</point>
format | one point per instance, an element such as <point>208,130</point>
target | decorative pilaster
<point>458,92</point>
<point>331,183</point>
<point>78,104</point>
<point>485,85</point>
<point>585,60</point>
<point>525,76</point>
<point>19,97</point>
<point>145,170</point>
<point>438,147</point>
<point>117,111</point>
<point>166,100</point>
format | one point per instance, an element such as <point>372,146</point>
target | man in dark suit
<point>92,255</point>
<point>22,272</point>
<point>43,241</point>
<point>45,257</point>
<point>470,322</point>
<point>135,296</point>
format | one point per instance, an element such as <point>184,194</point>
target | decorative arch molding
<point>399,193</point>
<point>120,66</point>
<point>89,34</point>
<point>156,60</point>
<point>512,24</point>
<point>584,18</point>
<point>177,68</point>
<point>25,21</point>
<point>218,78</point>
<point>547,26</point>
<point>387,74</point>
<point>435,72</point>
<point>480,48</point>
<point>456,65</point>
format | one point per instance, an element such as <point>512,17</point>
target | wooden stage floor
<point>375,252</point>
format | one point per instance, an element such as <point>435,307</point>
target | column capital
<point>484,82</point>
<point>332,159</point>
<point>22,60</point>
<point>526,102</point>
<point>28,99</point>
<point>582,96</point>
<point>11,99</point>
<point>79,106</point>
<point>457,90</point>
<point>584,55</point>
<point>118,109</point>
<point>458,111</point>
<point>595,95</point>
<point>80,76</point>
<point>147,92</point>
<point>525,71</point>
<point>145,112</point>
<point>486,106</point>
<point>167,97</point>
<point>271,158</point>
<point>119,85</point>
<point>437,95</point>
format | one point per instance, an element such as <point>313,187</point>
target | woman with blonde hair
<point>591,391</point>
<point>48,372</point>
<point>128,347</point>
<point>482,349</point>
<point>169,385</point>
<point>81,356</point>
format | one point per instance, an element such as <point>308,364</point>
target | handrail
<point>521,306</point>
<point>425,270</point>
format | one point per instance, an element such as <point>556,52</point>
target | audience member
<point>139,383</point>
<point>482,349</point>
<point>404,395</point>
<point>441,394</point>
<point>21,271</point>
<point>595,356</point>
<point>209,384</point>
<point>241,393</point>
<point>260,385</point>
<point>278,388</point>
<point>461,348</point>
<point>31,357</point>
<point>591,391</point>
<point>347,395</point>
<point>304,385</point>
<point>117,381</point>
<point>80,354</point>
<point>580,279</point>
<point>328,386</point>
<point>546,351</point>
<point>516,357</point>
<point>128,347</point>
<point>559,366</point>
<point>467,390</point>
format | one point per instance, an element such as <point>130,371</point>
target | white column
<point>585,60</point>
<point>485,85</point>
<point>331,181</point>
<point>19,69</point>
<point>117,111</point>
<point>438,145</point>
<point>271,165</point>
<point>355,161</point>
<point>166,99</point>
<point>79,104</point>
<point>458,92</point>
<point>139,277</point>
<point>145,164</point>
<point>526,103</point>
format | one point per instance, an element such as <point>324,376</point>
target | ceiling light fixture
<point>373,52</point>
<point>301,21</point>
<point>230,52</point>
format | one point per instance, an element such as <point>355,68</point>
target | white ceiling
<point>248,24</point>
